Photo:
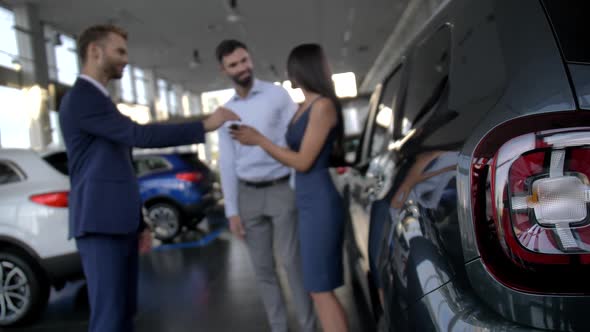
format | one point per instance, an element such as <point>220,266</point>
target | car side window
<point>428,77</point>
<point>138,166</point>
<point>382,132</point>
<point>8,174</point>
<point>59,161</point>
<point>155,164</point>
<point>147,165</point>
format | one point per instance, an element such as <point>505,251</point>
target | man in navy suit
<point>105,208</point>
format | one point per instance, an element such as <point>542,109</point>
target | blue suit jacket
<point>104,196</point>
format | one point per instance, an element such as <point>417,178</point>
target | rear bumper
<point>543,311</point>
<point>63,268</point>
<point>201,208</point>
<point>450,309</point>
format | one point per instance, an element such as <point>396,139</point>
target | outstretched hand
<point>246,135</point>
<point>218,118</point>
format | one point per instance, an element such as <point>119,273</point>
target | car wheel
<point>23,292</point>
<point>165,220</point>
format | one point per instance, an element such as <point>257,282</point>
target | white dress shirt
<point>95,83</point>
<point>269,109</point>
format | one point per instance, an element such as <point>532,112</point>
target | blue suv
<point>176,189</point>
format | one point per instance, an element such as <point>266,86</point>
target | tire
<point>165,220</point>
<point>23,290</point>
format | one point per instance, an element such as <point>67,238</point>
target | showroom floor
<point>205,283</point>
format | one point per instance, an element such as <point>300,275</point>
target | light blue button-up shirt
<point>269,109</point>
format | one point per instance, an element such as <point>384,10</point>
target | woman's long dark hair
<point>307,68</point>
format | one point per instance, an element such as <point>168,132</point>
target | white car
<point>35,253</point>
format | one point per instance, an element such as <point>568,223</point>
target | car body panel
<point>42,228</point>
<point>162,185</point>
<point>39,230</point>
<point>581,80</point>
<point>501,67</point>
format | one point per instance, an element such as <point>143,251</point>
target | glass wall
<point>173,101</point>
<point>162,102</point>
<point>15,122</point>
<point>62,57</point>
<point>140,86</point>
<point>8,46</point>
<point>66,59</point>
<point>127,85</point>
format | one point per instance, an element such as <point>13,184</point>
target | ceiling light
<point>196,60</point>
<point>233,14</point>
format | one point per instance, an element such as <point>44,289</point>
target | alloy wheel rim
<point>15,291</point>
<point>165,221</point>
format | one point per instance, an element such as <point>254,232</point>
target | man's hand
<point>218,118</point>
<point>145,241</point>
<point>236,227</point>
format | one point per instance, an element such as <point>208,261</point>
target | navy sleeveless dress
<point>321,216</point>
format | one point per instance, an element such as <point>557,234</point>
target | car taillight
<point>531,206</point>
<point>341,170</point>
<point>190,176</point>
<point>55,199</point>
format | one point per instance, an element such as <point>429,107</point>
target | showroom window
<point>162,96</point>
<point>66,59</point>
<point>140,84</point>
<point>8,47</point>
<point>14,120</point>
<point>127,85</point>
<point>173,101</point>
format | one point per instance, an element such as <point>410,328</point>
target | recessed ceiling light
<point>233,17</point>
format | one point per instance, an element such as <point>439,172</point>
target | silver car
<point>35,253</point>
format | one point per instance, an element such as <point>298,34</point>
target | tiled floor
<point>210,287</point>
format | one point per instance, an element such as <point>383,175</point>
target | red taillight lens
<point>190,176</point>
<point>531,208</point>
<point>341,170</point>
<point>56,199</point>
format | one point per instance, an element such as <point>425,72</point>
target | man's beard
<point>113,72</point>
<point>244,82</point>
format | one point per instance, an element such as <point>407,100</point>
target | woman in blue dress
<point>314,137</point>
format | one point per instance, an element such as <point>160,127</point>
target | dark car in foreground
<point>177,190</point>
<point>469,198</point>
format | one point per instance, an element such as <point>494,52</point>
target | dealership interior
<point>201,278</point>
<point>464,182</point>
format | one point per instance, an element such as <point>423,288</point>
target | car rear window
<point>193,160</point>
<point>568,20</point>
<point>59,161</point>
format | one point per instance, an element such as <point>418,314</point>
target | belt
<point>264,184</point>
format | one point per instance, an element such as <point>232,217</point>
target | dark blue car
<point>176,190</point>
